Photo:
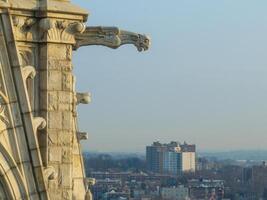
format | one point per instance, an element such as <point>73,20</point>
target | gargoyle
<point>82,135</point>
<point>83,98</point>
<point>111,37</point>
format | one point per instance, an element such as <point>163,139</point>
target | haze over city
<point>203,80</point>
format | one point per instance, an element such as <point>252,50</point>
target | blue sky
<point>204,80</point>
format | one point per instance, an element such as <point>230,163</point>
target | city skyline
<point>203,81</point>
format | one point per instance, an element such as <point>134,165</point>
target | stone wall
<point>40,151</point>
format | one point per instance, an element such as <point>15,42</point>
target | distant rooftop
<point>176,146</point>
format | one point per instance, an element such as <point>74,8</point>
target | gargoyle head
<point>83,98</point>
<point>143,42</point>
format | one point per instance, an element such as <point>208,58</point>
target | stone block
<point>53,137</point>
<point>67,81</point>
<point>65,138</point>
<point>53,185</point>
<point>78,188</point>
<point>77,166</point>
<point>55,154</point>
<point>54,80</point>
<point>64,107</point>
<point>76,148</point>
<point>57,51</point>
<point>65,97</point>
<point>67,194</point>
<point>67,121</point>
<point>54,120</point>
<point>66,175</point>
<point>52,101</point>
<point>60,65</point>
<point>67,155</point>
<point>56,100</point>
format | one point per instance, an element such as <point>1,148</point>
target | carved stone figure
<point>83,98</point>
<point>111,37</point>
<point>82,135</point>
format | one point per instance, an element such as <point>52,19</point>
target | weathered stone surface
<point>53,100</point>
<point>67,80</point>
<point>54,120</point>
<point>55,154</point>
<point>53,137</point>
<point>66,175</point>
<point>83,98</point>
<point>64,65</point>
<point>111,37</point>
<point>40,151</point>
<point>67,155</point>
<point>65,138</point>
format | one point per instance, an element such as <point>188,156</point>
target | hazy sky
<point>204,80</point>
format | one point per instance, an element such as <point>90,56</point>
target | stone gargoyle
<point>111,37</point>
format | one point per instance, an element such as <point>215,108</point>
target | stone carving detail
<point>50,173</point>
<point>3,110</point>
<point>66,195</point>
<point>82,135</point>
<point>83,98</point>
<point>25,24</point>
<point>27,55</point>
<point>24,27</point>
<point>59,30</point>
<point>89,182</point>
<point>88,195</point>
<point>28,72</point>
<point>111,37</point>
<point>39,123</point>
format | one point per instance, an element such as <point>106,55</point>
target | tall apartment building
<point>173,158</point>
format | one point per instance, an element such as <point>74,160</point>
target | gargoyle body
<point>111,37</point>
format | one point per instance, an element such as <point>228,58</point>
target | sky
<point>204,79</point>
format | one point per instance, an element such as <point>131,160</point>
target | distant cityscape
<point>176,171</point>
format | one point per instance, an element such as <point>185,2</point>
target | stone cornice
<point>52,30</point>
<point>43,8</point>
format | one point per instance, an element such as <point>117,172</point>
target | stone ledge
<point>48,8</point>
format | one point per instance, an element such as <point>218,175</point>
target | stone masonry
<point>40,152</point>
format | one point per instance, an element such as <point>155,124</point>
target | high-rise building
<point>173,158</point>
<point>154,157</point>
<point>172,162</point>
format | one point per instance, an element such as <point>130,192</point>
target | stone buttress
<point>40,152</point>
